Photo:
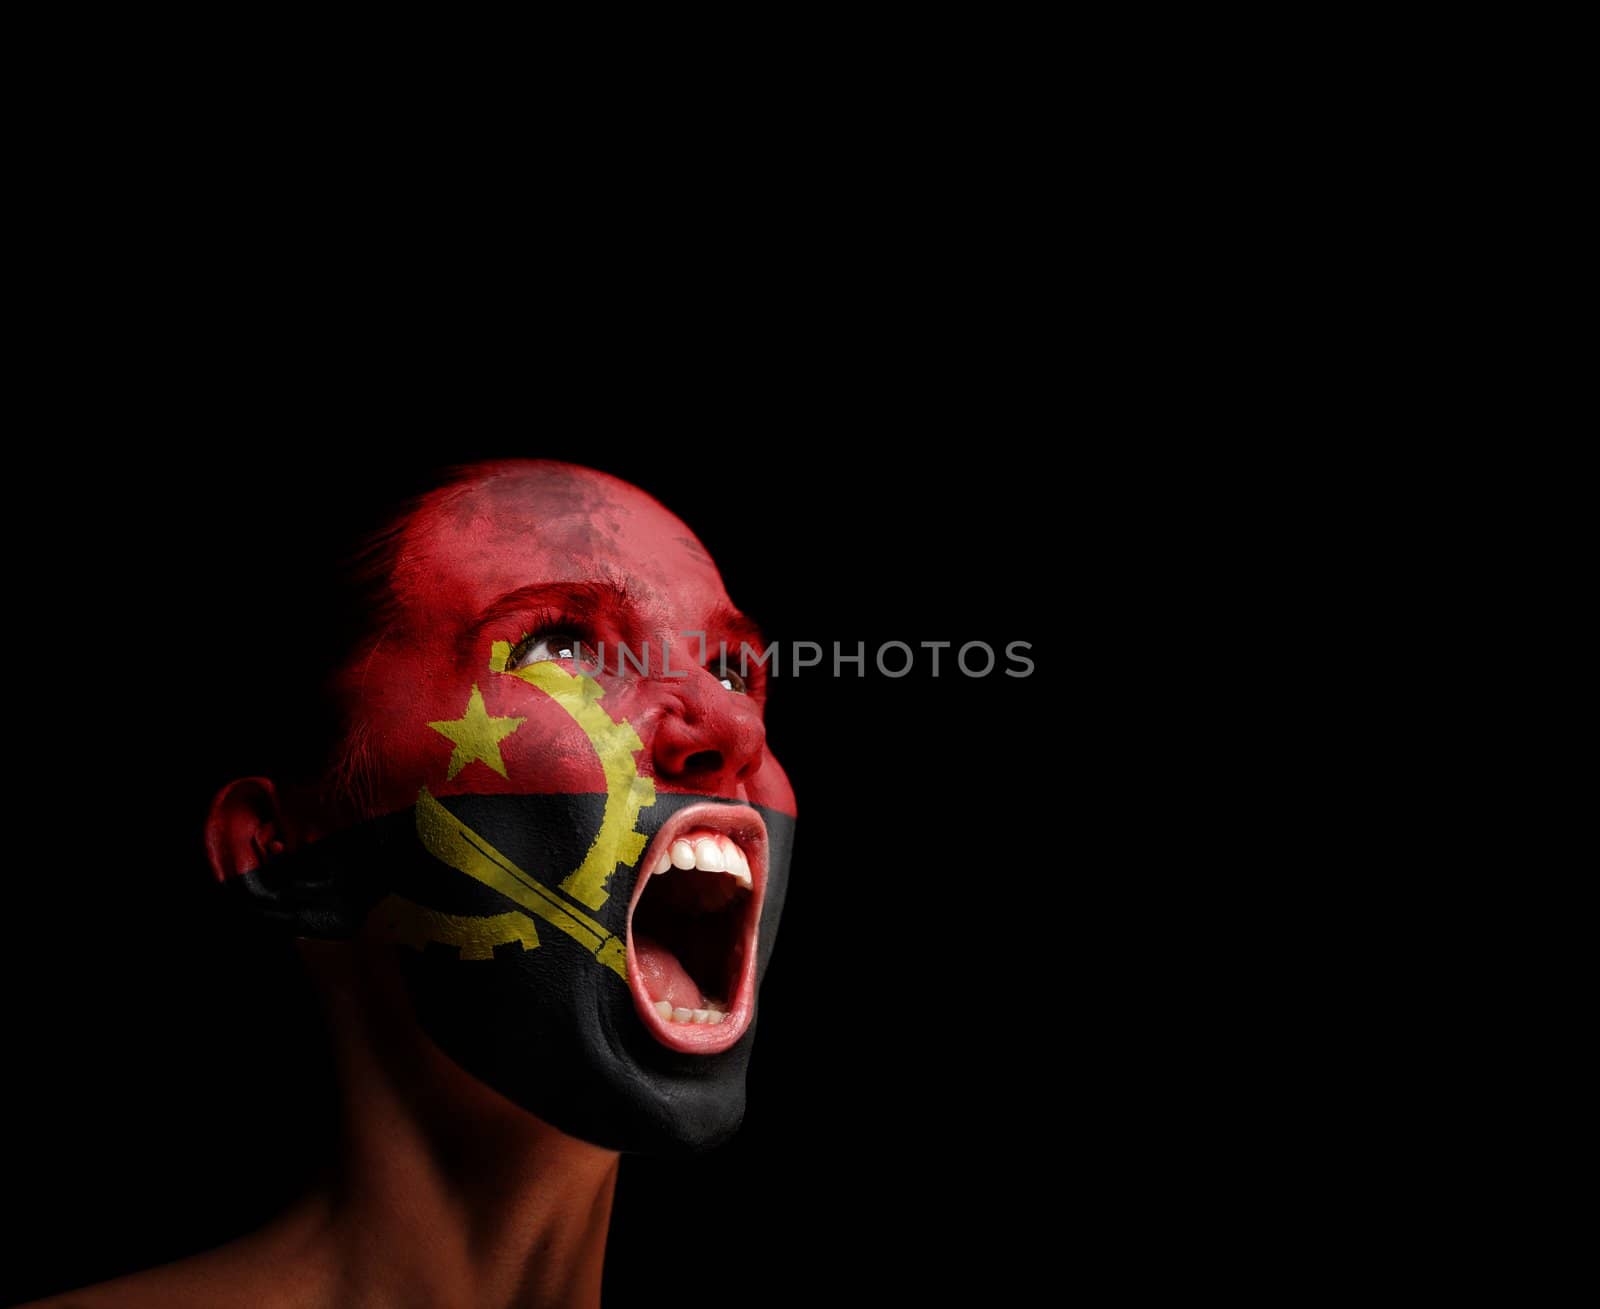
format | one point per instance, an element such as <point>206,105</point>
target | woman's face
<point>588,837</point>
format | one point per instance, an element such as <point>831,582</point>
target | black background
<point>925,1020</point>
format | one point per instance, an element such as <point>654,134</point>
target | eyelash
<point>541,623</point>
<point>548,622</point>
<point>755,675</point>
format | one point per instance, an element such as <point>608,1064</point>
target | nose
<point>710,738</point>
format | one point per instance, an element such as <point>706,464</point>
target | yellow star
<point>477,736</point>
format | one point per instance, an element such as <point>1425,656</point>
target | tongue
<point>664,977</point>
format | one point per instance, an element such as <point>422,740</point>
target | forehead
<point>546,523</point>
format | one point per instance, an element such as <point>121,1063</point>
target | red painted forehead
<point>532,523</point>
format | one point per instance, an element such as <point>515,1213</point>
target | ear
<point>245,828</point>
<point>273,861</point>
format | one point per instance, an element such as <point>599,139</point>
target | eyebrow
<point>737,628</point>
<point>579,596</point>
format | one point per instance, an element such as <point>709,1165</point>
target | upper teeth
<point>711,851</point>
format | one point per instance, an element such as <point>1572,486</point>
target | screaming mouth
<point>692,927</point>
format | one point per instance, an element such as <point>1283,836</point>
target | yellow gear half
<point>616,745</point>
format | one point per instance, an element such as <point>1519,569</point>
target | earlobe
<point>245,827</point>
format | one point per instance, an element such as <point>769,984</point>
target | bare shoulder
<point>267,1270</point>
<point>201,1281</point>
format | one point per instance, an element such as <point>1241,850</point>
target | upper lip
<point>745,827</point>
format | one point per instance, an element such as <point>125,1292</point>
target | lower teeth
<point>707,1016</point>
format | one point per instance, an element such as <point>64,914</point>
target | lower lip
<point>704,1038</point>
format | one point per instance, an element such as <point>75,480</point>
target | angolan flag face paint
<point>578,863</point>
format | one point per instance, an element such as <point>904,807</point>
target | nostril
<point>703,761</point>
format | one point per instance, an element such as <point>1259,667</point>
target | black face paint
<point>552,1026</point>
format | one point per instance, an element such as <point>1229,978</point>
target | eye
<point>730,678</point>
<point>542,646</point>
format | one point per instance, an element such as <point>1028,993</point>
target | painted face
<point>585,839</point>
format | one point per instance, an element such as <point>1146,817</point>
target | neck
<point>446,1192</point>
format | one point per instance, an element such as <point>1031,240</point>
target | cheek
<point>770,786</point>
<point>489,734</point>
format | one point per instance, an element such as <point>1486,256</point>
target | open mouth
<point>692,927</point>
